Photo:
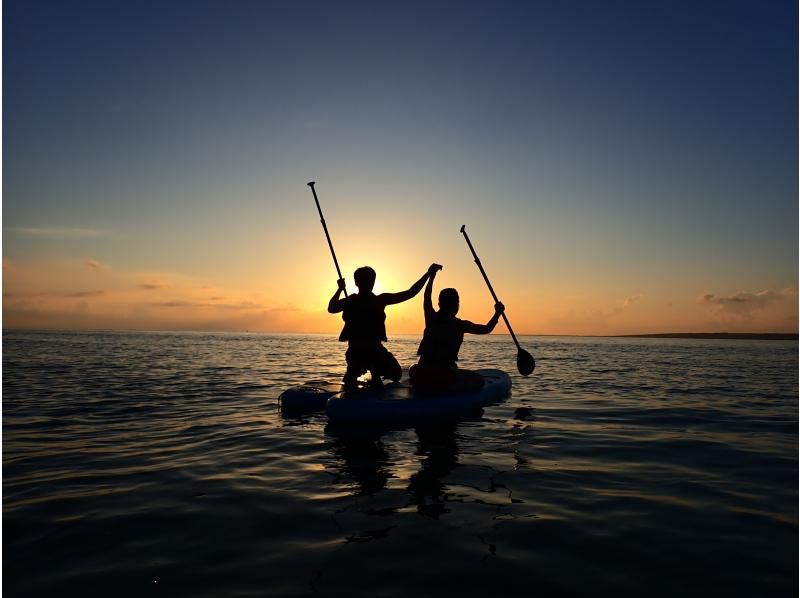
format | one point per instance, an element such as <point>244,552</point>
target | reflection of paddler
<point>364,326</point>
<point>438,445</point>
<point>364,460</point>
<point>441,342</point>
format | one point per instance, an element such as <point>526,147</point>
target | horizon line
<point>719,334</point>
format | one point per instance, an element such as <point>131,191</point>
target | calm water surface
<point>157,463</point>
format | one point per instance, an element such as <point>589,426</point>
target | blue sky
<point>601,149</point>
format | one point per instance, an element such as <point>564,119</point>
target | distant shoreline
<point>756,336</point>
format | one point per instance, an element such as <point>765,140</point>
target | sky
<point>621,167</point>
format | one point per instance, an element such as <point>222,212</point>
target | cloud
<point>242,305</point>
<point>177,304</point>
<point>60,233</point>
<point>754,300</point>
<point>626,304</point>
<point>94,265</point>
<point>54,295</point>
<point>597,318</point>
<point>631,300</point>
<point>82,294</point>
<point>744,305</point>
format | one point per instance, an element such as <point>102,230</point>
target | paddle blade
<point>525,362</point>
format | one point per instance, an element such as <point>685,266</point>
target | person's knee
<point>390,367</point>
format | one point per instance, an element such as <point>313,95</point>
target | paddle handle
<point>327,234</point>
<point>488,283</point>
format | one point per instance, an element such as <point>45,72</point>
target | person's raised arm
<point>392,298</point>
<point>427,303</point>
<point>335,305</point>
<point>473,328</point>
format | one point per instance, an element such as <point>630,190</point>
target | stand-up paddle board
<point>396,402</point>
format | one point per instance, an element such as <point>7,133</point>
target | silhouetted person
<point>438,351</point>
<point>364,326</point>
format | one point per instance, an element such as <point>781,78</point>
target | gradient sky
<point>621,166</point>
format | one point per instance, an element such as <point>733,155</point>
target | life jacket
<point>364,319</point>
<point>441,341</point>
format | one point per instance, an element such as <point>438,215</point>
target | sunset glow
<point>630,190</point>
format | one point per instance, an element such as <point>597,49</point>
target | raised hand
<point>433,269</point>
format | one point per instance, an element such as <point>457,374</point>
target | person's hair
<point>364,277</point>
<point>448,300</point>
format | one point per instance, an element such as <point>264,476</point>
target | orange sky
<point>89,294</point>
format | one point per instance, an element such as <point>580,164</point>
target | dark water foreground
<point>146,464</point>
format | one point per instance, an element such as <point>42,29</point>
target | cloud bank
<point>86,294</point>
<point>745,305</point>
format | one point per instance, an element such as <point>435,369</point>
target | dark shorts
<point>444,379</point>
<point>372,358</point>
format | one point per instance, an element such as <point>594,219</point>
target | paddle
<point>325,228</point>
<point>525,361</point>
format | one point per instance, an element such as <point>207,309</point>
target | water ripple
<point>136,463</point>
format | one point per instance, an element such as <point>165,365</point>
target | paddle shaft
<point>327,234</point>
<point>489,284</point>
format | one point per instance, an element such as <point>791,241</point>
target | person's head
<point>448,301</point>
<point>365,278</point>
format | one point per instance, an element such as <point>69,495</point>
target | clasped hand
<point>433,269</point>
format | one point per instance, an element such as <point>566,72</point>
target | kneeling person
<point>441,341</point>
<point>364,326</point>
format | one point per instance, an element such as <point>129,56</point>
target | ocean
<point>142,464</point>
